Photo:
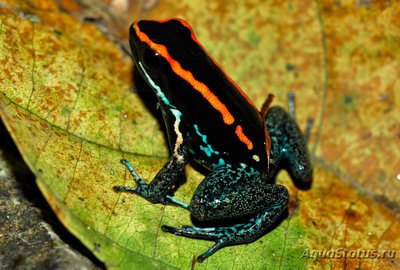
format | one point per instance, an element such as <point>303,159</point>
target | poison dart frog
<point>211,121</point>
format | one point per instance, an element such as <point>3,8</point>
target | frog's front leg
<point>162,184</point>
<point>232,192</point>
<point>157,190</point>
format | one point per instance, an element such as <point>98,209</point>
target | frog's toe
<point>219,244</point>
<point>221,236</point>
<point>133,172</point>
<point>170,229</point>
<point>193,232</point>
<point>126,189</point>
<point>172,200</point>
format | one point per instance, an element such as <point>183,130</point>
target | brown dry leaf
<point>65,99</point>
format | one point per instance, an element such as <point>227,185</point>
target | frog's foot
<point>235,234</point>
<point>142,188</point>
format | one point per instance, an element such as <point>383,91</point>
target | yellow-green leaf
<point>65,98</point>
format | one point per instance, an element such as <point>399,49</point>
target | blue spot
<point>220,163</point>
<point>207,149</point>
<point>202,136</point>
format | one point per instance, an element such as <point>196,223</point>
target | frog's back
<point>222,124</point>
<point>233,133</point>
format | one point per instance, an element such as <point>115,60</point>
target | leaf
<point>66,100</point>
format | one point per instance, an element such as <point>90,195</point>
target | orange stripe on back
<point>184,23</point>
<point>188,76</point>
<point>243,138</point>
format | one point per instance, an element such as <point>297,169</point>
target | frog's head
<point>166,52</point>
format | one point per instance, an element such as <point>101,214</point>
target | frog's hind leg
<point>233,192</point>
<point>235,234</point>
<point>289,146</point>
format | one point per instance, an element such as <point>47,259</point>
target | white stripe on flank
<point>179,136</point>
<point>158,90</point>
<point>173,110</point>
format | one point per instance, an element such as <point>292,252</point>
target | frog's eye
<point>151,59</point>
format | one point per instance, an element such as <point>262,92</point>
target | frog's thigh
<point>234,191</point>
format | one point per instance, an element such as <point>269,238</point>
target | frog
<point>210,121</point>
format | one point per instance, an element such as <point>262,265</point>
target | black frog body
<point>210,120</point>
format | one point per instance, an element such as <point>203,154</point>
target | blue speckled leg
<point>289,146</point>
<point>157,189</point>
<point>231,192</point>
<point>236,234</point>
